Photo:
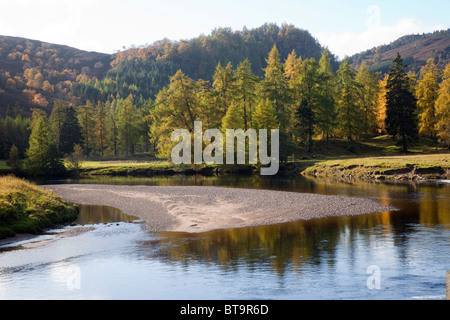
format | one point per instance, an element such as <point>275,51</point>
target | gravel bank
<point>200,209</point>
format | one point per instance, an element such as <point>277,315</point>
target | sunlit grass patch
<point>26,208</point>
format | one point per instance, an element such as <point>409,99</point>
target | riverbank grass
<point>424,166</point>
<point>131,167</point>
<point>26,208</point>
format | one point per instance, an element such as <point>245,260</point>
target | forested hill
<point>415,50</point>
<point>198,56</point>
<point>34,73</point>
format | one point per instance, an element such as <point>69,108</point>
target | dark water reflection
<point>418,232</point>
<point>91,214</point>
<point>326,258</point>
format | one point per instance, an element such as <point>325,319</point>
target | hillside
<point>414,49</point>
<point>35,73</point>
<point>198,56</point>
<point>144,71</point>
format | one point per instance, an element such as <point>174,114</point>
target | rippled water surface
<point>108,255</point>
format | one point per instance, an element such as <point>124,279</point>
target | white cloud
<point>349,43</point>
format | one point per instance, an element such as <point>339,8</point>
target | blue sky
<point>346,27</point>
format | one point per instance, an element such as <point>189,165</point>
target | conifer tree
<point>427,94</point>
<point>14,160</point>
<point>57,117</point>
<point>265,116</point>
<point>234,119</point>
<point>112,128</point>
<point>368,96</point>
<point>100,128</point>
<point>326,113</point>
<point>87,123</point>
<point>443,108</point>
<point>127,125</point>
<point>292,72</point>
<point>401,119</point>
<point>305,123</point>
<point>275,87</point>
<point>244,91</point>
<point>348,92</point>
<point>292,68</point>
<point>223,82</point>
<point>70,133</point>
<point>43,157</point>
<point>381,106</point>
<point>310,94</point>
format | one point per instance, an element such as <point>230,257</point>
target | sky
<point>345,27</point>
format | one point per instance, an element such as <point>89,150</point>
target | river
<point>402,254</point>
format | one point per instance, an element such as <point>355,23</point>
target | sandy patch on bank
<point>200,209</point>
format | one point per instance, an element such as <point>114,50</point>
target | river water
<point>402,254</point>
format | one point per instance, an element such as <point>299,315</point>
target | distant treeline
<point>304,98</point>
<point>34,73</point>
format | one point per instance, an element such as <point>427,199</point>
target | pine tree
<point>292,68</point>
<point>368,96</point>
<point>100,128</point>
<point>348,92</point>
<point>305,123</point>
<point>234,119</point>
<point>443,108</point>
<point>275,87</point>
<point>128,125</point>
<point>87,123</point>
<point>70,132</point>
<point>292,73</point>
<point>43,157</point>
<point>265,116</point>
<point>309,86</point>
<point>112,128</point>
<point>381,106</point>
<point>326,113</point>
<point>244,91</point>
<point>223,82</point>
<point>427,94</point>
<point>57,117</point>
<point>14,160</point>
<point>401,120</point>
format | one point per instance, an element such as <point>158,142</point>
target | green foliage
<point>14,160</point>
<point>443,108</point>
<point>401,118</point>
<point>75,158</point>
<point>87,122</point>
<point>245,84</point>
<point>25,208</point>
<point>349,115</point>
<point>326,110</point>
<point>128,125</point>
<point>141,78</point>
<point>14,131</point>
<point>274,87</point>
<point>368,99</point>
<point>116,115</point>
<point>43,157</point>
<point>427,92</point>
<point>70,133</point>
